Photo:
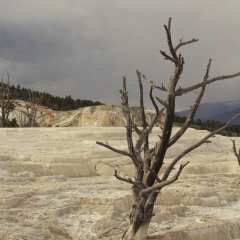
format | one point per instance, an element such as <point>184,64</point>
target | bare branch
<point>124,84</point>
<point>159,136</point>
<point>147,183</point>
<point>134,152</point>
<point>153,85</point>
<point>7,105</point>
<point>235,151</point>
<point>168,31</point>
<point>158,186</point>
<point>184,43</point>
<point>161,148</point>
<point>144,122</point>
<point>129,180</point>
<point>164,103</point>
<point>181,91</point>
<point>113,149</point>
<point>204,140</point>
<point>139,185</point>
<point>136,129</point>
<point>154,120</point>
<point>193,110</point>
<point>158,113</point>
<point>153,101</point>
<point>169,23</point>
<point>167,57</point>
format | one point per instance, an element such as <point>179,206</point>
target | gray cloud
<point>83,48</point>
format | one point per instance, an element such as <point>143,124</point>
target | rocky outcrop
<point>95,116</point>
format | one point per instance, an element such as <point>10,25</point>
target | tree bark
<point>148,160</point>
<point>139,228</point>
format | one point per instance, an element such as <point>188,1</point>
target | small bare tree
<point>235,151</point>
<point>7,105</point>
<point>149,160</point>
<point>32,111</point>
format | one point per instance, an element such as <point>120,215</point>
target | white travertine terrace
<point>93,116</point>
<point>56,183</point>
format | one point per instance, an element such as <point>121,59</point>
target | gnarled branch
<point>204,140</point>
<point>113,149</point>
<point>139,185</point>
<point>168,31</point>
<point>193,109</point>
<point>167,57</point>
<point>182,91</point>
<point>158,113</point>
<point>144,122</point>
<point>129,127</point>
<point>158,186</point>
<point>184,43</point>
<point>235,151</point>
<point>153,85</point>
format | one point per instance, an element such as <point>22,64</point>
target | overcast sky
<point>83,48</point>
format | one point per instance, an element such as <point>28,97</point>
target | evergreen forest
<point>210,125</point>
<point>48,100</point>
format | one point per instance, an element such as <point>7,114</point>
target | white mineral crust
<point>56,183</point>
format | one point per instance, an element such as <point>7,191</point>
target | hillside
<point>94,116</point>
<point>224,117</point>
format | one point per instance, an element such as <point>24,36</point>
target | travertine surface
<point>94,116</point>
<point>56,183</point>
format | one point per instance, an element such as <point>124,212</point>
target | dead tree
<point>148,160</point>
<point>7,105</point>
<point>32,112</point>
<point>235,151</point>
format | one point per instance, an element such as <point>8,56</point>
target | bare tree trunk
<point>7,106</point>
<point>147,160</point>
<point>138,229</point>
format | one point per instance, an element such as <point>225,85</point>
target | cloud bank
<point>83,48</point>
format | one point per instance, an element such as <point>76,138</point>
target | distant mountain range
<point>219,111</point>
